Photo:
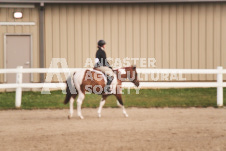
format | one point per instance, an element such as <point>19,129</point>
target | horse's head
<point>132,75</point>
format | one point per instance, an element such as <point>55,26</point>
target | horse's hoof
<point>69,117</point>
<point>81,117</point>
<point>99,115</point>
<point>126,115</point>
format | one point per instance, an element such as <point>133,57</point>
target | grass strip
<point>186,97</point>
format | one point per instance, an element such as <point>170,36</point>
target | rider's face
<point>103,46</point>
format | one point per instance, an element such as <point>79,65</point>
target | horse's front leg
<point>102,102</point>
<point>120,103</point>
<point>79,105</point>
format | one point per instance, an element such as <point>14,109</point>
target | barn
<point>180,34</point>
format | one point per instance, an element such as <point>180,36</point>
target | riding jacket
<point>101,59</point>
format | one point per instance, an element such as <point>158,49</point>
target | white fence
<point>219,84</point>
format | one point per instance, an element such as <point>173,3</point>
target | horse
<point>94,81</point>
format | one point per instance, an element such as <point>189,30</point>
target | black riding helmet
<point>101,43</point>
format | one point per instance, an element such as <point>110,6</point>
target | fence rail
<point>219,84</point>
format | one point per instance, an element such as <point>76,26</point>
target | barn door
<point>18,52</point>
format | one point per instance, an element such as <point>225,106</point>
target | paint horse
<point>94,81</point>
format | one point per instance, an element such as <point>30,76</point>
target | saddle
<point>109,80</point>
<point>107,77</point>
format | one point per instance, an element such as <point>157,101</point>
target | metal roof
<point>107,1</point>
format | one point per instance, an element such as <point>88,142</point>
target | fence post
<point>219,86</point>
<point>19,78</point>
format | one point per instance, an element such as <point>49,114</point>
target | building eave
<point>108,1</point>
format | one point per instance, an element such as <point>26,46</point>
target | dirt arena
<point>144,129</point>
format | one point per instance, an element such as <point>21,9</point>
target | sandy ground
<point>144,129</point>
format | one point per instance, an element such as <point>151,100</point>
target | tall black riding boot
<point>109,80</point>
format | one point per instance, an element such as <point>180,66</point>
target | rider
<point>102,64</point>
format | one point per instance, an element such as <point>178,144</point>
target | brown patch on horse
<point>92,81</point>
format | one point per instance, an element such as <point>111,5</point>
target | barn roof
<point>106,1</point>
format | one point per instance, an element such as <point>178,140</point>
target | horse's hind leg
<point>72,99</point>
<point>102,102</point>
<point>120,103</point>
<point>81,96</point>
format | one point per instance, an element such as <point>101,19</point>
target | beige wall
<point>29,15</point>
<point>177,35</point>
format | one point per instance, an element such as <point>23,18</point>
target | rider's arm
<point>98,59</point>
<point>106,63</point>
<point>101,59</point>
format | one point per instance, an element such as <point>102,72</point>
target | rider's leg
<point>109,81</point>
<point>110,76</point>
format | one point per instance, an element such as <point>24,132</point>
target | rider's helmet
<point>101,43</point>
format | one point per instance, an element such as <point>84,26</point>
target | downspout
<point>41,40</point>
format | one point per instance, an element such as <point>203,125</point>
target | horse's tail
<point>70,89</point>
<point>68,95</point>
